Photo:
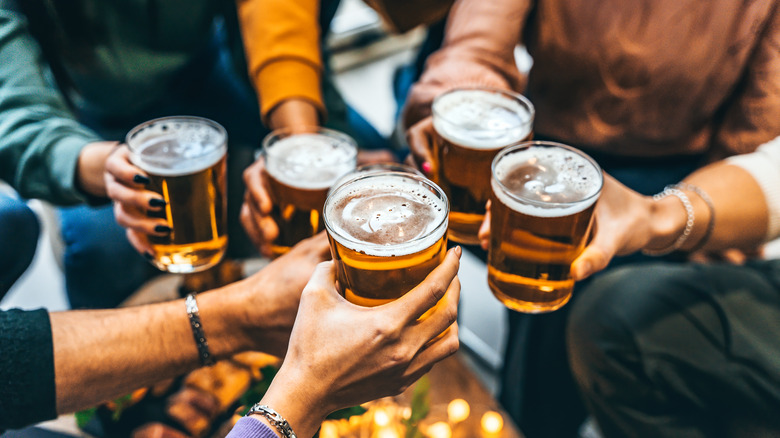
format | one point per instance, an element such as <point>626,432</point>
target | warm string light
<point>492,422</point>
<point>439,429</point>
<point>458,410</point>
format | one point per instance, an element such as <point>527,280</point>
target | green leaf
<point>258,390</point>
<point>122,403</point>
<point>347,412</point>
<point>84,417</point>
<point>420,407</point>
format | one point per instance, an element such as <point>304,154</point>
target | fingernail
<point>162,229</point>
<point>148,255</point>
<point>156,202</point>
<point>458,251</point>
<point>140,179</point>
<point>427,167</point>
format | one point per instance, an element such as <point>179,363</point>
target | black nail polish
<point>148,255</point>
<point>162,229</point>
<point>140,179</point>
<point>156,202</point>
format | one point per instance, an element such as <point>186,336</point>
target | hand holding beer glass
<point>301,167</point>
<point>470,126</point>
<point>387,231</point>
<point>544,194</point>
<point>179,220</point>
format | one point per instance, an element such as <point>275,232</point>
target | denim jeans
<point>19,231</point>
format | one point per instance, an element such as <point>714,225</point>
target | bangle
<point>671,191</point>
<point>206,359</point>
<point>274,418</point>
<point>710,205</point>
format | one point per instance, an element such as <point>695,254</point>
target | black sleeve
<point>27,391</point>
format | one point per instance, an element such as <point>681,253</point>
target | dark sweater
<point>27,391</point>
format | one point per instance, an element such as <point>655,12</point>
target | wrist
<point>296,398</point>
<point>223,321</point>
<point>667,221</point>
<point>91,168</point>
<point>294,113</point>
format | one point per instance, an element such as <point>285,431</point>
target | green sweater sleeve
<point>40,139</point>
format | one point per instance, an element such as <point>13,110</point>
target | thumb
<point>593,259</point>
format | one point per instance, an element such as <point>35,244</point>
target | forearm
<point>113,352</point>
<point>294,113</point>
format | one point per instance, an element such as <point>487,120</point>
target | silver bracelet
<point>671,191</point>
<point>206,359</point>
<point>274,418</point>
<point>710,205</point>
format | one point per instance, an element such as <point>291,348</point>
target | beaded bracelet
<point>206,359</point>
<point>672,191</point>
<point>710,205</point>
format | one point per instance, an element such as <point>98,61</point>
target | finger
<point>444,315</point>
<point>257,186</point>
<point>144,200</point>
<point>316,245</point>
<point>442,348</point>
<point>594,258</point>
<point>323,279</point>
<point>484,229</point>
<point>248,222</point>
<point>413,304</point>
<point>141,243</point>
<point>419,138</point>
<point>133,219</point>
<point>119,165</point>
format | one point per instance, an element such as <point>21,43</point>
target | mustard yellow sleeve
<point>282,44</point>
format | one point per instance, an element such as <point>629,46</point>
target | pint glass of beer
<point>301,168</point>
<point>543,198</point>
<point>185,158</point>
<point>472,125</point>
<point>387,232</point>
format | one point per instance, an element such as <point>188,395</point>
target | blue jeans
<point>19,230</point>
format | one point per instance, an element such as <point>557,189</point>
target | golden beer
<point>472,126</point>
<point>185,158</point>
<point>544,195</point>
<point>387,232</point>
<point>301,168</point>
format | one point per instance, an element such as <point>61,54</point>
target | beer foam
<point>388,215</point>
<point>480,119</point>
<point>556,182</point>
<point>173,148</point>
<point>310,161</point>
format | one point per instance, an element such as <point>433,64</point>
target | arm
<point>282,43</point>
<point>41,143</point>
<point>745,193</point>
<point>478,50</point>
<point>113,352</point>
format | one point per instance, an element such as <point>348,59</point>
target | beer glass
<point>543,198</point>
<point>301,168</point>
<point>472,125</point>
<point>387,232</point>
<point>185,158</point>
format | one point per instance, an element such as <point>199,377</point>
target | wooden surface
<point>451,379</point>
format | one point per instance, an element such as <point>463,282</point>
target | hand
<point>342,354</point>
<point>255,213</point>
<point>484,229</point>
<point>91,166</point>
<point>420,139</point>
<point>623,225</point>
<point>125,185</point>
<point>271,296</point>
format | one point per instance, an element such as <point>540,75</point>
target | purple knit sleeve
<point>248,427</point>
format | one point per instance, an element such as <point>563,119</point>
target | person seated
<point>682,350</point>
<point>19,231</point>
<point>60,362</point>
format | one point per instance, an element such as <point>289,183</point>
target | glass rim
<point>441,227</point>
<point>184,119</point>
<point>528,144</point>
<point>517,97</point>
<point>369,169</point>
<point>278,134</point>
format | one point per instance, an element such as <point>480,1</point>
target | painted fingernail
<point>162,229</point>
<point>140,179</point>
<point>427,166</point>
<point>156,202</point>
<point>148,255</point>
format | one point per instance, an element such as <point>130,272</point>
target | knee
<point>19,231</point>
